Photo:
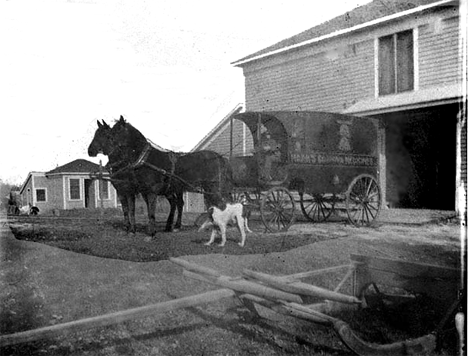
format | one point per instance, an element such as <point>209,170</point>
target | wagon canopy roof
<point>277,121</point>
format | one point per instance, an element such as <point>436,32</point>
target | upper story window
<point>75,188</point>
<point>396,63</point>
<point>41,195</point>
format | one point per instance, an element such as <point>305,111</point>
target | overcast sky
<point>163,64</point>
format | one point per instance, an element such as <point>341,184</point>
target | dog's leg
<point>213,235</point>
<point>223,234</point>
<point>240,225</point>
<point>246,225</point>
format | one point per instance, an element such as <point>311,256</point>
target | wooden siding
<point>333,75</point>
<point>328,81</point>
<point>439,56</point>
<point>464,155</point>
<point>242,141</point>
<point>54,193</point>
<point>26,195</point>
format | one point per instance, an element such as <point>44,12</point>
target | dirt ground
<point>64,270</point>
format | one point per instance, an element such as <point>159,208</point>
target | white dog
<point>221,216</point>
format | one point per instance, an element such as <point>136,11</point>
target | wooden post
<point>101,185</point>
<point>114,318</point>
<point>231,136</point>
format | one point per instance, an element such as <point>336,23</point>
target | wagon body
<point>331,160</point>
<point>322,152</point>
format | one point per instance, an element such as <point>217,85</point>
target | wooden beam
<point>114,318</point>
<point>243,286</point>
<point>301,275</point>
<point>407,269</point>
<point>301,288</point>
<point>286,309</point>
<point>194,267</point>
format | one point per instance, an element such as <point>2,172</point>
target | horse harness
<point>142,161</point>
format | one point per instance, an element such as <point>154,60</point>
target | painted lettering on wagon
<point>333,159</point>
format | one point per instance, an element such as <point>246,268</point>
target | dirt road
<point>46,285</point>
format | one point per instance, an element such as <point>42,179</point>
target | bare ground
<point>105,270</point>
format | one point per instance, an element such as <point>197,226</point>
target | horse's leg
<point>180,209</point>
<point>171,198</point>
<point>131,212</point>
<point>150,200</point>
<point>124,203</point>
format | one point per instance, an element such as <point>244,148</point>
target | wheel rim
<point>318,207</point>
<point>277,209</point>
<point>363,200</point>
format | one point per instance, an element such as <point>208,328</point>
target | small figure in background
<point>269,152</point>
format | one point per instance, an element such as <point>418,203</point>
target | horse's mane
<point>140,135</point>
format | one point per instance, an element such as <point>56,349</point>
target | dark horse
<point>125,182</point>
<point>153,172</point>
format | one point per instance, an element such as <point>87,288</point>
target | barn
<point>398,61</point>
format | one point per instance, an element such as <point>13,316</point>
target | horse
<point>125,182</point>
<point>159,171</point>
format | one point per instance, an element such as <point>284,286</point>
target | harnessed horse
<point>152,171</point>
<point>125,182</point>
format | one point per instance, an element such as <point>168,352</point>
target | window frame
<point>70,189</point>
<point>414,59</point>
<point>36,197</point>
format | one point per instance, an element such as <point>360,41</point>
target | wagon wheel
<point>317,207</point>
<point>363,200</point>
<point>277,209</point>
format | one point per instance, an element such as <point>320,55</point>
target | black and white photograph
<point>233,178</point>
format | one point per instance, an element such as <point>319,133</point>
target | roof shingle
<point>360,15</point>
<point>77,166</point>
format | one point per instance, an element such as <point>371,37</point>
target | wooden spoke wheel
<point>363,200</point>
<point>317,207</point>
<point>277,209</point>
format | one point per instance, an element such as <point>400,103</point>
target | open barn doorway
<point>421,157</point>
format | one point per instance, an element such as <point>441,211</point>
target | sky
<point>165,65</point>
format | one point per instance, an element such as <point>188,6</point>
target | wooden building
<point>71,186</point>
<point>399,61</point>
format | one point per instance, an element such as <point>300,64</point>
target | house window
<point>105,189</point>
<point>75,189</point>
<point>396,63</point>
<point>40,195</point>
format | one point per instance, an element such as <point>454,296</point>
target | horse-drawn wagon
<point>326,161</point>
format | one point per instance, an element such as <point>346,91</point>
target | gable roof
<point>76,166</point>
<point>357,18</point>
<point>218,129</point>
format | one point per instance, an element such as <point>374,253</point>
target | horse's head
<point>102,141</point>
<point>128,141</point>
